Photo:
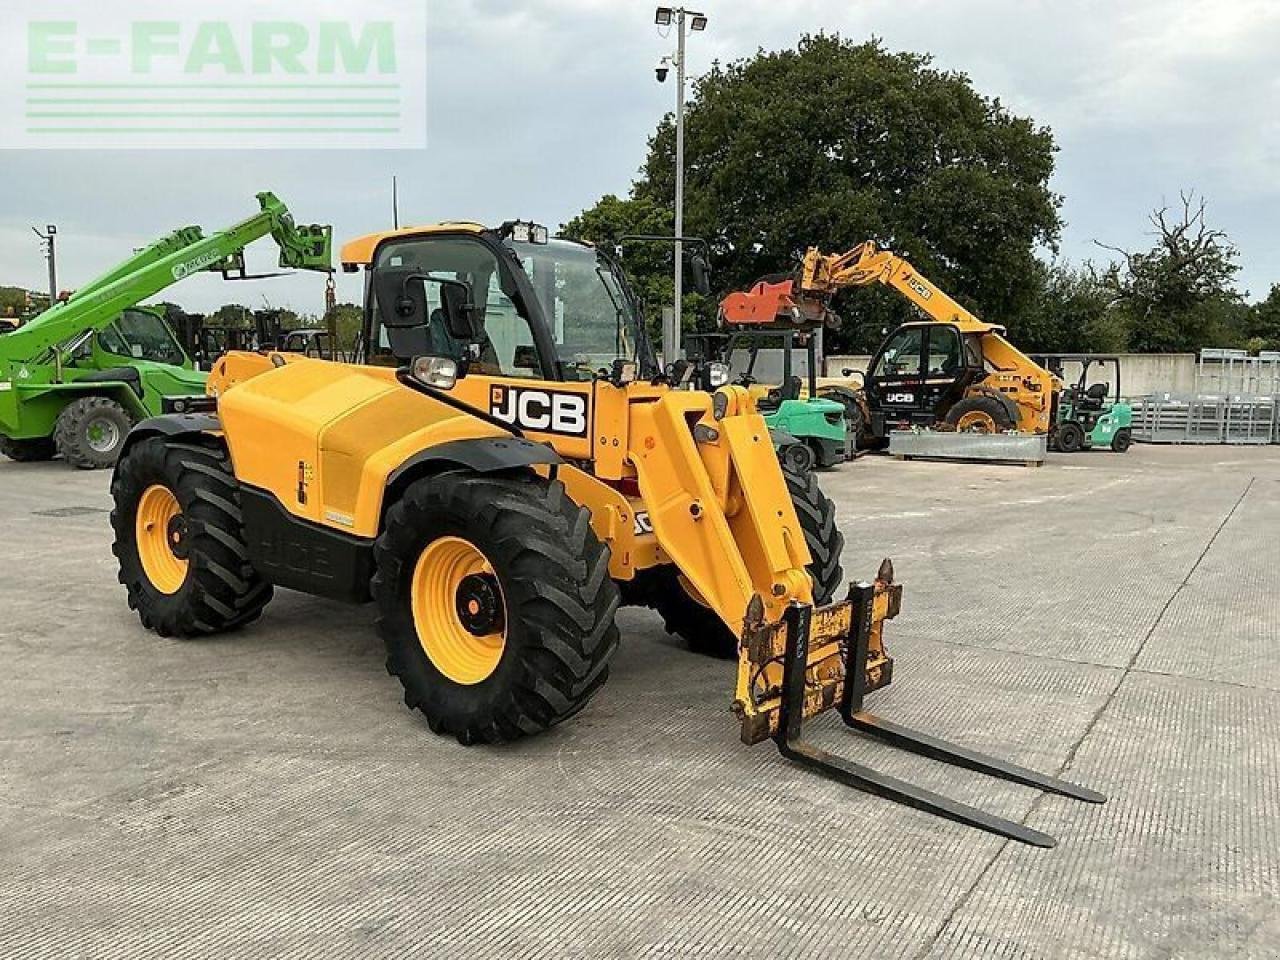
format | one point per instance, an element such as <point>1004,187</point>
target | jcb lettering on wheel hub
<point>544,411</point>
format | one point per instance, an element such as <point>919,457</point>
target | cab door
<point>895,383</point>
<point>946,373</point>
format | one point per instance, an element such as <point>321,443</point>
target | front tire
<point>179,540</point>
<point>91,431</point>
<point>1123,440</point>
<point>27,451</point>
<point>701,627</point>
<point>495,604</point>
<point>1070,437</point>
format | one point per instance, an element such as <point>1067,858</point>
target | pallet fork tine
<point>790,742</point>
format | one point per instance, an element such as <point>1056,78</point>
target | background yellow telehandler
<point>953,370</point>
<point>501,468</point>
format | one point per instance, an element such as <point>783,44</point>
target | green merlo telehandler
<point>75,378</point>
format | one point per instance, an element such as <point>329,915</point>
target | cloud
<point>536,109</point>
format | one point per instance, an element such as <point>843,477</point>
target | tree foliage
<point>1070,311</point>
<point>1179,295</point>
<point>1263,330</point>
<point>836,142</point>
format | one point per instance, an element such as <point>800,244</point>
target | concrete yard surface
<point>266,794</point>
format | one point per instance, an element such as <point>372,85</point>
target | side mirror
<point>459,311</point>
<point>700,273</point>
<point>402,301</point>
<point>525,357</point>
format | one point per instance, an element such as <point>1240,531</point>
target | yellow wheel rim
<point>975,421</point>
<point>161,533</point>
<point>458,610</point>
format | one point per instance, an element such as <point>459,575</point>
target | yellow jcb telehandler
<point>498,471</point>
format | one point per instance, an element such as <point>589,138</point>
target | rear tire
<point>1070,437</point>
<point>980,414</point>
<point>91,431</point>
<point>1123,440</point>
<point>549,577</point>
<point>217,588</point>
<point>700,626</point>
<point>28,451</point>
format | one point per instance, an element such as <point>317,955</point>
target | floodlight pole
<point>51,256</point>
<point>671,350</point>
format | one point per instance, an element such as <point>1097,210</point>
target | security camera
<point>662,69</point>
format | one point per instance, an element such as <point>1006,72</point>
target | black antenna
<point>395,202</point>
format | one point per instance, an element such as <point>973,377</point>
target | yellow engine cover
<point>323,437</point>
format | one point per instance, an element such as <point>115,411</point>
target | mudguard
<point>171,425</point>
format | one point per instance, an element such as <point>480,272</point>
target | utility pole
<point>51,231</point>
<point>697,22</point>
<point>676,324</point>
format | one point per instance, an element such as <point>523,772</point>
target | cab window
<point>141,335</point>
<point>506,344</point>
<point>944,351</point>
<point>973,351</point>
<point>901,356</point>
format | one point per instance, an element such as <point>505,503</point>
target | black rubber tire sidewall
<point>1070,438</point>
<point>71,432</point>
<point>546,559</point>
<point>222,591</point>
<point>1122,441</point>
<point>28,451</point>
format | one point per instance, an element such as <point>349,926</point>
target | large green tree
<point>836,142</point>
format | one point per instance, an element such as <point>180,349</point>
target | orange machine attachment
<point>774,304</point>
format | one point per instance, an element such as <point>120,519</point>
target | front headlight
<point>718,375</point>
<point>438,372</point>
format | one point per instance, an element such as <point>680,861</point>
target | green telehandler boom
<point>75,378</point>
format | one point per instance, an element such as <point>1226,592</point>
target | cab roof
<point>359,252</point>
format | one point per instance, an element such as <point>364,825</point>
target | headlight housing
<point>718,375</point>
<point>438,372</point>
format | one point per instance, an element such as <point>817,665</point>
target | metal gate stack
<point>1236,401</point>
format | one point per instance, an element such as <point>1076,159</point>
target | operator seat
<point>1092,399</point>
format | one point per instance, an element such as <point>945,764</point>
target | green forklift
<point>75,379</point>
<point>1088,414</point>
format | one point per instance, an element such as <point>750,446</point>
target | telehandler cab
<point>502,470</point>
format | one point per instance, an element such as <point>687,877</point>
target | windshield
<point>592,318</point>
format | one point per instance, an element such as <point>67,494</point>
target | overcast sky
<point>537,108</point>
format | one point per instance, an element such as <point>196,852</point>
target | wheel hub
<point>176,535</point>
<point>479,604</point>
<point>102,436</point>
